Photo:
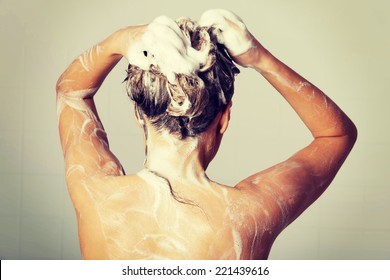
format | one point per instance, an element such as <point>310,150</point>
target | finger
<point>211,18</point>
<point>229,30</point>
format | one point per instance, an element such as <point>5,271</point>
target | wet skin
<point>171,209</point>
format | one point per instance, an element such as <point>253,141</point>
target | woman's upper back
<point>139,217</point>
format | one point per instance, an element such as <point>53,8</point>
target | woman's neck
<point>175,159</point>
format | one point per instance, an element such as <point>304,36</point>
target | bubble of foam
<point>235,37</point>
<point>165,46</point>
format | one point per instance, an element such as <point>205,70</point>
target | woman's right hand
<point>231,31</point>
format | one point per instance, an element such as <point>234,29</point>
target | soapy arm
<point>83,139</point>
<point>294,184</point>
<point>297,182</point>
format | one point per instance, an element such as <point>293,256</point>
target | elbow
<point>346,131</point>
<point>59,85</point>
<point>63,83</point>
<point>353,133</point>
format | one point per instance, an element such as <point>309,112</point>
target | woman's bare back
<point>149,216</point>
<point>137,217</point>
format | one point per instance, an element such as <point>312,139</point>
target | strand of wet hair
<point>173,193</point>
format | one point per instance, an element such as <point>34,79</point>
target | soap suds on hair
<point>187,105</point>
<point>165,46</point>
<point>236,42</point>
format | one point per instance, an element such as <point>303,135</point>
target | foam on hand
<point>165,46</point>
<point>230,30</point>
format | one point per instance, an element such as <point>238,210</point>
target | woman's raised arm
<point>297,182</point>
<point>83,139</point>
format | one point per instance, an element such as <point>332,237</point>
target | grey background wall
<point>341,46</point>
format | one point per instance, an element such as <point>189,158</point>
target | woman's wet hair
<point>188,107</point>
